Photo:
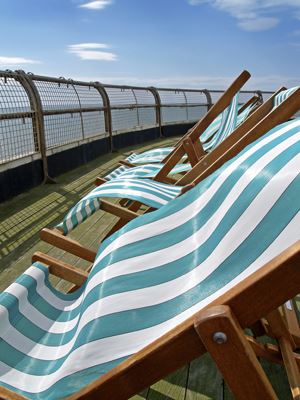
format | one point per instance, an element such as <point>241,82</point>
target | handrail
<point>42,113</point>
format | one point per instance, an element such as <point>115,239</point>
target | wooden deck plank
<point>172,387</point>
<point>205,381</point>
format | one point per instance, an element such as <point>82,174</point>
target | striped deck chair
<point>166,287</point>
<point>227,125</point>
<point>161,171</point>
<point>145,191</point>
<point>194,149</point>
<point>159,154</point>
<point>153,195</point>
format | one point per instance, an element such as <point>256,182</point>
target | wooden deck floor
<point>23,217</point>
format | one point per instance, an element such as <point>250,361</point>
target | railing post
<point>80,108</point>
<point>186,106</point>
<point>38,122</point>
<point>260,95</point>
<point>137,109</point>
<point>208,98</point>
<point>107,114</point>
<point>156,95</point>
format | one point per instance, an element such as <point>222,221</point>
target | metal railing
<point>41,115</point>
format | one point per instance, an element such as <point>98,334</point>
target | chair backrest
<point>259,122</point>
<point>155,273</point>
<point>228,124</point>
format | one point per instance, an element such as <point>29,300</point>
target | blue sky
<point>183,43</point>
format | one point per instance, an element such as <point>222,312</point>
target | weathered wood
<point>56,239</point>
<point>247,379</point>
<point>204,380</point>
<point>61,269</point>
<point>190,151</point>
<point>287,345</point>
<point>291,366</point>
<point>6,394</point>
<point>171,387</point>
<point>289,313</point>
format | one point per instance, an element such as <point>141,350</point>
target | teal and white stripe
<point>148,171</point>
<point>228,125</point>
<point>116,172</point>
<point>212,128</point>
<point>283,95</point>
<point>150,156</point>
<point>244,114</point>
<point>154,273</point>
<point>151,193</point>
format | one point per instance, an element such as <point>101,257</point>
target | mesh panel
<point>147,117</point>
<point>144,96</point>
<point>195,97</point>
<point>124,119</point>
<point>57,96</point>
<point>62,129</point>
<point>196,113</point>
<point>171,97</point>
<point>89,96</point>
<point>173,114</point>
<point>93,123</point>
<point>119,96</point>
<point>17,136</point>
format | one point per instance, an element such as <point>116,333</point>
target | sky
<point>165,43</point>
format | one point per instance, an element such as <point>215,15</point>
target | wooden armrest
<point>99,181</point>
<point>56,238</point>
<point>61,269</point>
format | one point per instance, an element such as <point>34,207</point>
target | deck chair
<point>168,287</point>
<point>160,154</point>
<point>190,143</point>
<point>280,107</point>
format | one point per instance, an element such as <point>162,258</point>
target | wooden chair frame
<point>218,329</point>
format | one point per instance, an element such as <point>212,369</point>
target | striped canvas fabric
<point>154,273</point>
<point>283,95</point>
<point>151,193</point>
<point>228,125</point>
<point>150,156</point>
<point>244,114</point>
<point>151,170</point>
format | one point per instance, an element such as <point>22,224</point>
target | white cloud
<point>254,15</point>
<point>96,5</point>
<point>258,24</point>
<point>89,51</point>
<point>13,61</point>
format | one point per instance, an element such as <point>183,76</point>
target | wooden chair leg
<point>291,319</point>
<point>190,151</point>
<point>286,345</point>
<point>223,337</point>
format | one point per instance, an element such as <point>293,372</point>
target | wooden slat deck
<point>23,217</point>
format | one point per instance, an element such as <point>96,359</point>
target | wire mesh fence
<point>39,114</point>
